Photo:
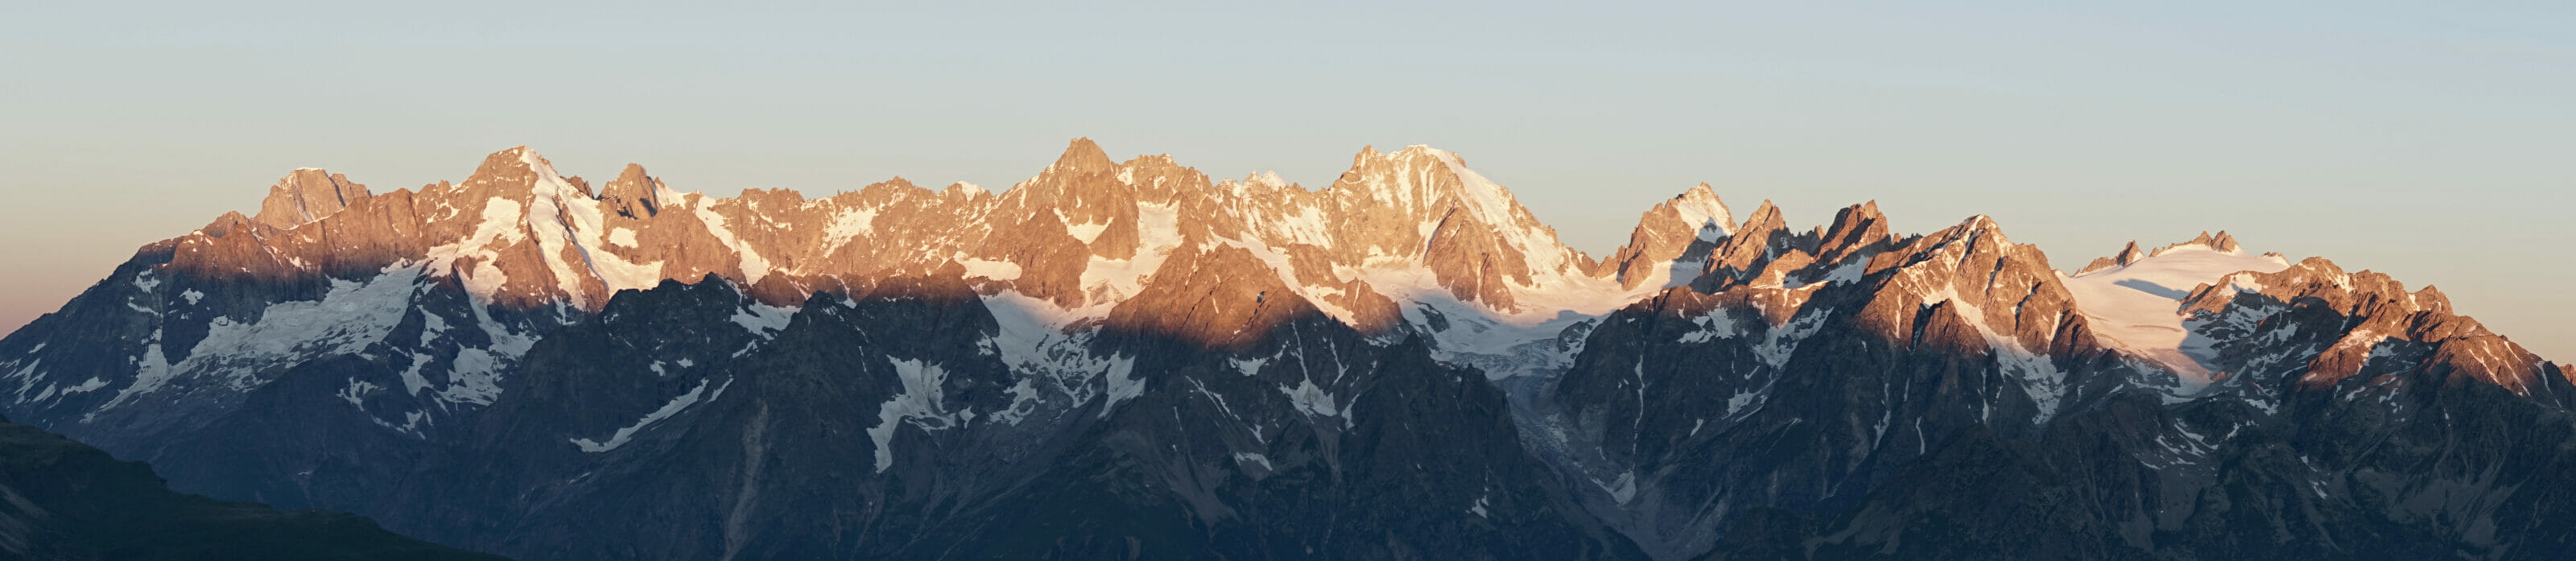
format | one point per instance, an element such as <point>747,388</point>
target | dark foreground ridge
<point>60,500</point>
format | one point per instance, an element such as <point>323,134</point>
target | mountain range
<point>1132,360</point>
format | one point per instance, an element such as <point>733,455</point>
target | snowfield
<point>2139,306</point>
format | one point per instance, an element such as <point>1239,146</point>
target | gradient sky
<point>2433,142</point>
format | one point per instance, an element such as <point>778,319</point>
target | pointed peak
<point>224,225</point>
<point>1412,154</point>
<point>1266,179</point>
<point>1146,159</point>
<point>520,171</point>
<point>1864,211</point>
<point>1980,227</point>
<point>1083,155</point>
<point>1369,161</point>
<point>964,190</point>
<point>515,157</point>
<point>636,186</point>
<point>2099,263</point>
<point>520,154</point>
<point>1857,229</point>
<point>1702,196</point>
<point>1859,217</point>
<point>890,189</point>
<point>1765,218</point>
<point>2128,255</point>
<point>2320,263</point>
<point>305,174</point>
<point>1141,168</point>
<point>1701,209</point>
<point>306,195</point>
<point>2430,298</point>
<point>2222,242</point>
<point>633,177</point>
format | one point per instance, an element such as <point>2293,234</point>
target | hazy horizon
<point>2427,143</point>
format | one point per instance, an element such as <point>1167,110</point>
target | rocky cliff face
<point>1128,359</point>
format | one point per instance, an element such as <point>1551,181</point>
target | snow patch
<point>93,384</point>
<point>499,229</point>
<point>1623,489</point>
<point>412,381</point>
<point>1847,273</point>
<point>1737,402</point>
<point>922,403</point>
<point>356,393</point>
<point>1311,399</point>
<point>2039,377</point>
<point>763,320</point>
<point>1121,385</point>
<point>1024,399</point>
<point>849,224</point>
<point>566,221</point>
<point>1249,366</point>
<point>1780,343</point>
<point>240,356</point>
<point>987,268</point>
<point>1249,458</point>
<point>754,267</point>
<point>1712,326</point>
<point>672,407</point>
<point>1086,231</point>
<point>1107,282</point>
<point>1042,343</point>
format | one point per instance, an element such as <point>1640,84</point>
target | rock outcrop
<point>306,195</point>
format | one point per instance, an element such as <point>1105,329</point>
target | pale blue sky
<point>2434,142</point>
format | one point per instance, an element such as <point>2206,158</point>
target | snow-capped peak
<point>1706,214</point>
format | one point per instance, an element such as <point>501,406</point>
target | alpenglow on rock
<point>1133,360</point>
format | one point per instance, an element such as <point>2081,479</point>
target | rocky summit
<point>1131,360</point>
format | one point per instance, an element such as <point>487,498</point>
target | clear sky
<point>2433,141</point>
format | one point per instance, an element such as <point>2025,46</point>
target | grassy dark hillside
<point>63,500</point>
